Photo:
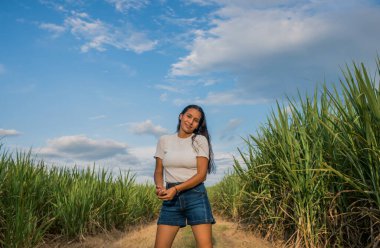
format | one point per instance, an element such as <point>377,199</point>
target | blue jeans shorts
<point>190,206</point>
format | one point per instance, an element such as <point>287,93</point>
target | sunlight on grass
<point>311,174</point>
<point>37,202</point>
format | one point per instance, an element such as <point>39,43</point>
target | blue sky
<point>99,81</point>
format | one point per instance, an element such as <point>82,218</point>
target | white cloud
<point>8,132</point>
<point>58,6</point>
<point>73,151</point>
<point>246,36</point>
<point>125,5</point>
<point>224,163</point>
<point>99,35</point>
<point>98,117</point>
<point>202,2</point>
<point>183,86</point>
<point>168,88</point>
<point>233,124</point>
<point>146,152</point>
<point>209,82</point>
<point>234,97</point>
<point>228,131</point>
<point>82,148</point>
<point>277,46</point>
<point>147,127</point>
<point>82,152</point>
<point>172,19</point>
<point>138,42</point>
<point>54,28</point>
<point>96,43</point>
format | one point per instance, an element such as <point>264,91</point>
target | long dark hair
<point>202,130</point>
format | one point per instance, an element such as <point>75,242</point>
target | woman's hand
<point>168,194</point>
<point>159,190</point>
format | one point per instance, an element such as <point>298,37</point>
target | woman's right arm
<point>158,175</point>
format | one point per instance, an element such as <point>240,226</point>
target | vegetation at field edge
<point>311,174</point>
<point>37,203</point>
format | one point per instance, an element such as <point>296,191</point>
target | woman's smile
<point>190,120</point>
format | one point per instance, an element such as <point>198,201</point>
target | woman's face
<point>190,120</point>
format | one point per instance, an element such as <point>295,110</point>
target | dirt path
<point>225,235</point>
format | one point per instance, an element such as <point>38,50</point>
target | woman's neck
<point>183,135</point>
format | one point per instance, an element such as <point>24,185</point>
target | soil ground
<point>226,234</point>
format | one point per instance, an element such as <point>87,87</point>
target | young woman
<point>183,159</point>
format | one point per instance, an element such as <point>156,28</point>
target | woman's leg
<point>165,236</point>
<point>203,235</point>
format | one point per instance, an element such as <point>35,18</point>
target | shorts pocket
<point>200,189</point>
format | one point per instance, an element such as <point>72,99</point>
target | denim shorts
<point>190,207</point>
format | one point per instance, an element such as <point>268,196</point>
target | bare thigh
<point>203,235</point>
<point>165,236</point>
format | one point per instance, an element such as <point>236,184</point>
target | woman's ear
<point>180,117</point>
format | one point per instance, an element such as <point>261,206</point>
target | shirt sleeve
<point>202,146</point>
<point>160,148</point>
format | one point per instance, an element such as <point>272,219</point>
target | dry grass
<point>225,235</point>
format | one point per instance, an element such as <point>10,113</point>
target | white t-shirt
<point>179,158</point>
